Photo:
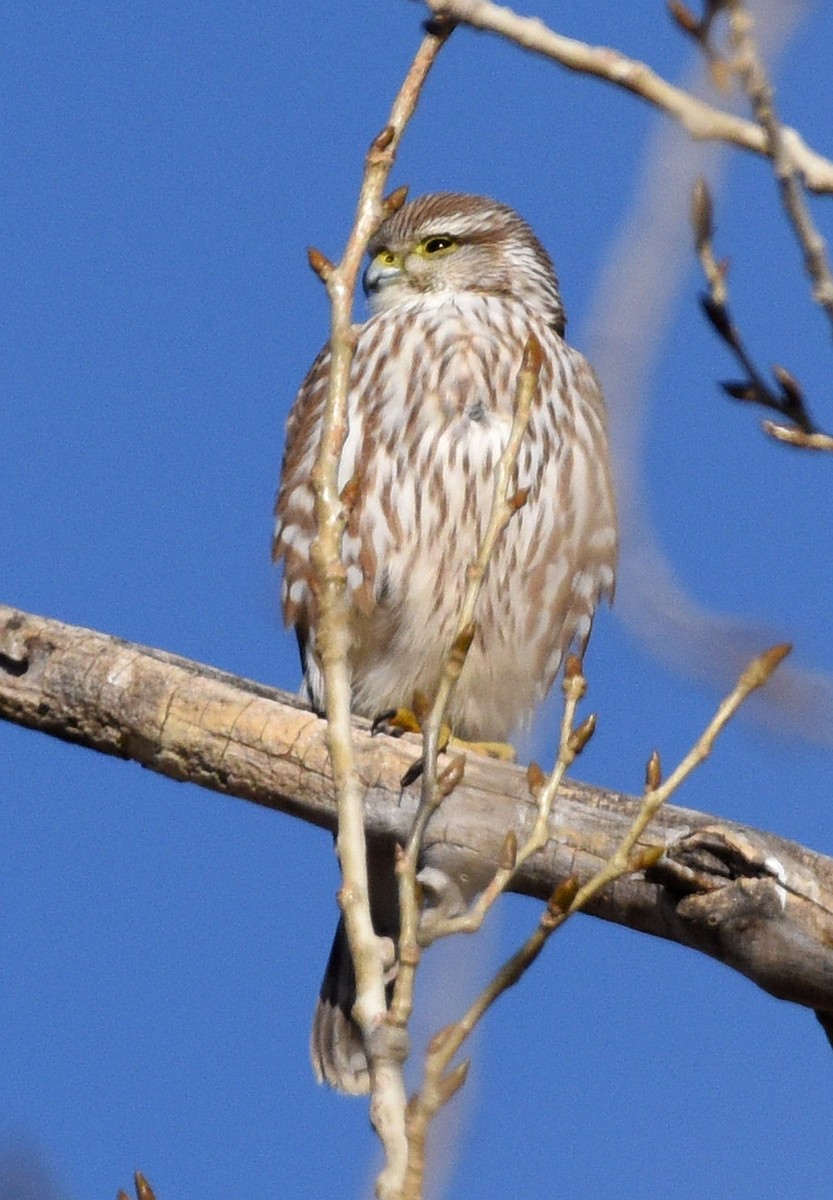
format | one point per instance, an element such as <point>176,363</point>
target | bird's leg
<point>396,721</point>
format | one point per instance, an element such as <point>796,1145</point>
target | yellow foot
<point>396,721</point>
<point>501,750</point>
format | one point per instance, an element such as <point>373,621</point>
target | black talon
<point>413,773</point>
<point>381,720</point>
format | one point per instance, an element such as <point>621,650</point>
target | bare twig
<point>700,120</point>
<point>656,792</point>
<point>797,437</point>
<point>442,1081</point>
<point>571,742</point>
<point>700,29</point>
<point>788,401</point>
<point>333,629</point>
<point>752,74</point>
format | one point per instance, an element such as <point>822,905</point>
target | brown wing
<point>295,503</point>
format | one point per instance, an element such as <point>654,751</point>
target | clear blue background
<point>165,167</point>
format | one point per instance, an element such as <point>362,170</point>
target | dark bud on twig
<point>719,318</point>
<point>646,859</point>
<point>742,391</point>
<point>700,29</point>
<point>793,399</point>
<point>563,896</point>
<point>684,18</point>
<point>702,212</point>
<point>535,779</point>
<point>789,386</point>
<point>383,140</point>
<point>508,854</point>
<point>350,493</point>
<point>573,666</point>
<point>580,737</point>
<point>653,772</point>
<point>143,1189</point>
<point>533,355</point>
<point>454,1080</point>
<point>440,1039</point>
<point>574,685</point>
<point>760,669</point>
<point>440,26</point>
<point>319,263</point>
<point>392,203</point>
<point>788,399</point>
<point>519,499</point>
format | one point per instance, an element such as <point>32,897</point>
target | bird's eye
<point>440,243</point>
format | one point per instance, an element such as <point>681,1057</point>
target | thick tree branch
<point>756,902</point>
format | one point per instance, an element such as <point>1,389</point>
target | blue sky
<point>165,168</point>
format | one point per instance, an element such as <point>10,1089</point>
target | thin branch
<point>657,793</point>
<point>788,401</point>
<point>750,69</point>
<point>797,437</point>
<point>441,1081</point>
<point>700,120</point>
<point>571,742</point>
<point>700,30</point>
<point>333,627</point>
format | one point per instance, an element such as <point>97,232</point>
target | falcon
<point>456,284</point>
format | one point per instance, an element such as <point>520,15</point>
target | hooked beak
<point>385,268</point>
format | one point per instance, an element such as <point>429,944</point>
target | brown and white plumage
<point>457,283</point>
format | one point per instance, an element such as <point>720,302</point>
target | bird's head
<point>451,243</point>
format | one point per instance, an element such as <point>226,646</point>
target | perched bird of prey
<point>456,284</point>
